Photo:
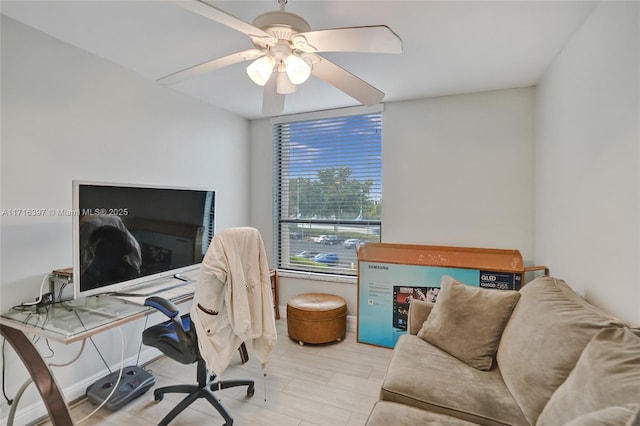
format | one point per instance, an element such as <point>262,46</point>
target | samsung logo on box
<point>381,267</point>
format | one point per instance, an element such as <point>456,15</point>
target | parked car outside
<point>319,238</point>
<point>331,240</point>
<point>328,258</point>
<point>296,235</point>
<point>308,254</point>
<point>351,242</point>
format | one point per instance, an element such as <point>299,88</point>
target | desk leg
<point>274,287</point>
<point>41,376</point>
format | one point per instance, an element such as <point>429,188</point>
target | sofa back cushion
<point>467,321</point>
<point>626,415</point>
<point>606,375</point>
<point>548,330</point>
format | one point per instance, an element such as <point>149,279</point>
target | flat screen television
<point>126,236</point>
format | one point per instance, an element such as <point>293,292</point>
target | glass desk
<point>64,322</point>
<point>72,321</point>
<point>75,320</point>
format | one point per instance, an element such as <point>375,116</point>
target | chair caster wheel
<point>251,391</point>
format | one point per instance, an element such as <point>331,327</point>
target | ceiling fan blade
<point>211,65</point>
<point>373,39</point>
<point>222,17</point>
<point>358,89</point>
<point>272,101</point>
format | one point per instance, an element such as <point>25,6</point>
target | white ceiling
<point>450,47</point>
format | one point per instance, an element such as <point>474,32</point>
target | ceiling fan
<point>286,51</point>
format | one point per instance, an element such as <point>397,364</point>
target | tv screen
<point>125,236</point>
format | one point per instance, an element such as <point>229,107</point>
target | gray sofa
<point>558,361</point>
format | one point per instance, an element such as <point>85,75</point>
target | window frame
<point>281,254</point>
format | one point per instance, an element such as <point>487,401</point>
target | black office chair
<point>177,339</point>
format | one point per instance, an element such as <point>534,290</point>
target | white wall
<point>588,161</point>
<point>457,170</point>
<point>69,115</point>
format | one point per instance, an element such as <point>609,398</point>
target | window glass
<point>327,191</point>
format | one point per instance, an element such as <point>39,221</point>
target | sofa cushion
<point>543,340</point>
<point>467,321</point>
<point>387,413</point>
<point>423,376</point>
<point>627,415</point>
<point>607,374</point>
<point>419,311</point>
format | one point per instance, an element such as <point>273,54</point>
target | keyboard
<point>173,290</point>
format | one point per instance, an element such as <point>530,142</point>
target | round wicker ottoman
<point>316,318</point>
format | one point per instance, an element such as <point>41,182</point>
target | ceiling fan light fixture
<point>297,69</point>
<point>285,44</point>
<point>284,86</point>
<point>260,70</point>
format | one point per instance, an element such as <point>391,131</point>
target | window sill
<point>315,276</point>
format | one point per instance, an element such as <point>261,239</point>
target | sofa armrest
<point>418,313</point>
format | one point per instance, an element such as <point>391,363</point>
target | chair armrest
<point>171,310</point>
<point>163,305</point>
<point>418,313</point>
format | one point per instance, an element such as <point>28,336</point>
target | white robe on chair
<point>233,302</point>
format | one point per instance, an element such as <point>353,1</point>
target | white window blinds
<point>327,190</point>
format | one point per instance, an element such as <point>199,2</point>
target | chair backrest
<point>175,338</point>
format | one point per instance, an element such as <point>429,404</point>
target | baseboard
<point>352,323</point>
<point>36,411</point>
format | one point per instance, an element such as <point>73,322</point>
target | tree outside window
<point>327,191</point>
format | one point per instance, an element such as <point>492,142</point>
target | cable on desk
<point>52,352</point>
<point>146,319</point>
<point>9,401</point>
<point>115,387</point>
<point>30,310</point>
<point>39,298</point>
<point>14,407</point>
<point>46,340</point>
<point>62,287</point>
<point>93,343</point>
<point>74,359</point>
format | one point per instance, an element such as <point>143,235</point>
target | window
<point>327,188</point>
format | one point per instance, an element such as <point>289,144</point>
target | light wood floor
<point>333,384</point>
